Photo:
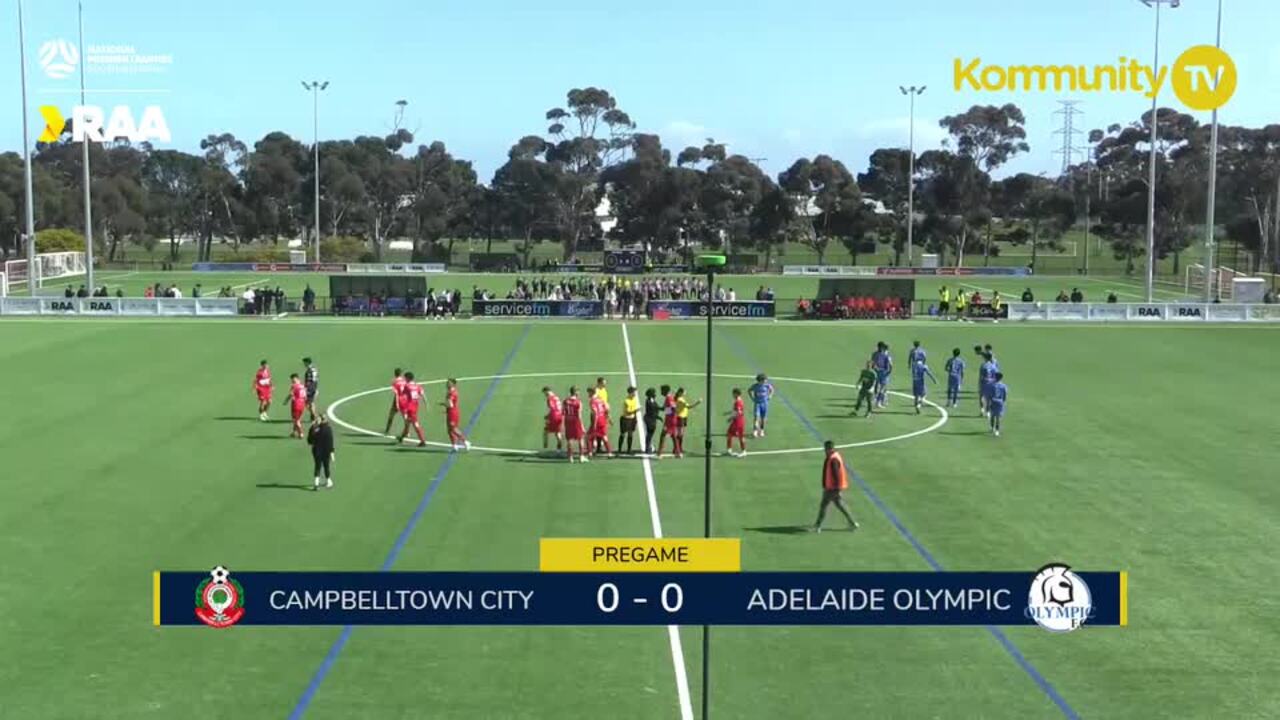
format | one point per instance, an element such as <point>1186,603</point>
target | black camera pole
<point>710,263</point>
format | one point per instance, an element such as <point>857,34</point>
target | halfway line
<point>673,632</point>
<point>336,649</point>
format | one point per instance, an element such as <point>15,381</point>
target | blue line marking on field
<point>336,649</point>
<point>924,553</point>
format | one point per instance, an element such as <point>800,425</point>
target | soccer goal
<point>51,266</point>
<point>1222,287</point>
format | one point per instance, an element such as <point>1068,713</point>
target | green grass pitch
<point>130,446</point>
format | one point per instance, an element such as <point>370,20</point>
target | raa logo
<point>219,599</point>
<point>92,123</point>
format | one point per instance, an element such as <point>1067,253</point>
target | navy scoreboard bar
<point>643,582</point>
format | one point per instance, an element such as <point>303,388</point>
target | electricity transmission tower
<point>1069,133</point>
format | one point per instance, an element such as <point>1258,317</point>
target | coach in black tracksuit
<point>320,438</point>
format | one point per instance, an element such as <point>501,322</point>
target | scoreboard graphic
<point>643,582</point>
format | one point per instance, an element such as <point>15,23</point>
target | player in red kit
<point>412,398</point>
<point>599,435</point>
<point>670,424</point>
<point>453,417</point>
<point>554,419</point>
<point>397,390</point>
<point>262,388</point>
<point>297,404</point>
<point>573,430</point>
<point>737,426</point>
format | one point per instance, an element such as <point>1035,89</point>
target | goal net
<point>50,266</point>
<point>1220,280</point>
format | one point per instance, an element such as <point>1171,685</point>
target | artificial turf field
<point>131,446</point>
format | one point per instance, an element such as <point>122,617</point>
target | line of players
<point>564,423</point>
<point>302,394</point>
<point>406,400</point>
<point>993,393</point>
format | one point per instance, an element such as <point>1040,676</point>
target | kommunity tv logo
<point>1203,77</point>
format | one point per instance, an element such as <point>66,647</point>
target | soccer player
<point>683,406</point>
<point>311,379</point>
<point>397,390</point>
<point>453,416</point>
<point>866,389</point>
<point>297,403</point>
<point>652,412</point>
<point>412,398</point>
<point>987,349</point>
<point>262,387</point>
<point>761,393</point>
<point>554,419</point>
<point>955,377</point>
<point>918,373</point>
<point>670,423</point>
<point>986,380</point>
<point>882,362</point>
<point>599,433</point>
<point>916,354</point>
<point>603,394</point>
<point>627,424</point>
<point>737,426</point>
<point>999,396</point>
<point>573,430</point>
<point>835,480</point>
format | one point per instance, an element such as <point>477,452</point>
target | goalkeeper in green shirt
<point>866,385</point>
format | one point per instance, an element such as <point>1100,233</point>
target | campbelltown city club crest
<point>219,599</point>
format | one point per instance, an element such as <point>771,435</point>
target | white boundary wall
<point>119,307</point>
<point>1144,312</point>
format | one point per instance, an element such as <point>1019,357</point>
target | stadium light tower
<point>912,92</point>
<point>315,86</point>
<point>1209,234</point>
<point>1151,178</point>
<point>84,146</point>
<point>33,268</point>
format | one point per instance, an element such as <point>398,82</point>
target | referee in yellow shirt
<point>627,425</point>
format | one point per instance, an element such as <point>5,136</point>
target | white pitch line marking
<point>673,632</point>
<point>943,418</point>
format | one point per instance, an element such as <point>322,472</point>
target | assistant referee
<point>320,438</point>
<point>835,480</point>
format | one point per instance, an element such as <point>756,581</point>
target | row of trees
<point>376,188</point>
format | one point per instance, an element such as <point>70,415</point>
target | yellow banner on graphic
<point>640,555</point>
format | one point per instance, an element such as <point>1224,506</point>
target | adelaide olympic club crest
<point>1059,600</point>
<point>219,599</point>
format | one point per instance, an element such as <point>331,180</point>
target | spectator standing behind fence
<point>1027,296</point>
<point>1076,295</point>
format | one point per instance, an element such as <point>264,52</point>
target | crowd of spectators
<point>435,304</point>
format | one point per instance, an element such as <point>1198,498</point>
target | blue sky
<point>776,80</point>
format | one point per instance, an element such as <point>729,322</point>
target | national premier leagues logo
<point>219,599</point>
<point>1059,600</point>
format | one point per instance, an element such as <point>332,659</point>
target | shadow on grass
<point>286,486</point>
<point>267,437</point>
<point>781,529</point>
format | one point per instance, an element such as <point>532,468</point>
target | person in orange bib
<point>835,480</point>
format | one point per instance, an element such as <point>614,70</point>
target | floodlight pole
<point>912,91</point>
<point>1151,177</point>
<point>315,86</point>
<point>84,146</point>
<point>1210,236</point>
<point>33,268</point>
<point>710,263</point>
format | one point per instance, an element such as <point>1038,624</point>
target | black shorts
<point>682,422</point>
<point>627,425</point>
<point>944,306</point>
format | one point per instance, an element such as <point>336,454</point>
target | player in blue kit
<point>916,354</point>
<point>918,373</point>
<point>955,377</point>
<point>882,363</point>
<point>761,392</point>
<point>999,397</point>
<point>986,379</point>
